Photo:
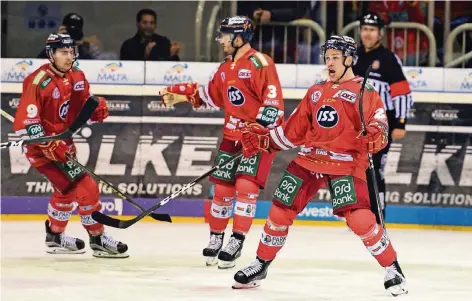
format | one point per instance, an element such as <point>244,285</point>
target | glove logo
<point>327,116</point>
<point>64,109</point>
<point>235,96</point>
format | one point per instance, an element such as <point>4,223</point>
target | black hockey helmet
<point>60,40</point>
<point>344,43</point>
<point>238,25</point>
<point>372,19</point>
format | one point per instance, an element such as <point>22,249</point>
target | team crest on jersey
<point>327,116</point>
<point>315,96</point>
<point>244,73</point>
<point>346,95</point>
<point>235,96</point>
<point>64,109</point>
<point>56,93</point>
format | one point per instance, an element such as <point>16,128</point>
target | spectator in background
<point>146,45</point>
<point>89,47</point>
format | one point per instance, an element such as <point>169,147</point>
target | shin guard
<point>88,198</point>
<point>245,208</point>
<point>59,211</point>
<point>275,232</point>
<point>221,207</point>
<point>363,223</point>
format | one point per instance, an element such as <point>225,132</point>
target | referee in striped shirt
<point>388,79</point>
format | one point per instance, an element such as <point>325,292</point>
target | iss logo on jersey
<point>315,96</point>
<point>64,109</point>
<point>327,116</point>
<point>235,96</point>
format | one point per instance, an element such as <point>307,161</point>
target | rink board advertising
<point>149,151</point>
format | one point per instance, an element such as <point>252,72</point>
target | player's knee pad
<point>60,210</point>
<point>361,221</point>
<point>247,193</point>
<point>222,204</point>
<point>88,199</point>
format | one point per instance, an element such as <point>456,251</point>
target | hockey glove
<point>181,93</point>
<point>376,138</point>
<point>55,150</point>
<point>101,112</point>
<point>255,139</point>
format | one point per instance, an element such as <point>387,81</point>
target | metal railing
<point>198,28</point>
<point>405,26</point>
<point>449,47</point>
<point>210,33</point>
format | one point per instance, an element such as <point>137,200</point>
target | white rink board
<point>166,264</point>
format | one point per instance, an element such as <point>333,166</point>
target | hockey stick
<point>116,223</point>
<point>159,217</point>
<point>156,216</point>
<point>369,155</point>
<point>84,115</point>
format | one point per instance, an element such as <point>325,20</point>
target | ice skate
<point>104,246</point>
<point>394,280</point>
<point>59,243</point>
<point>232,251</point>
<point>252,275</point>
<point>213,249</point>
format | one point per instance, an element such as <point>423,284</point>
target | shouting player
<point>51,99</point>
<point>247,87</point>
<point>388,79</point>
<point>328,124</point>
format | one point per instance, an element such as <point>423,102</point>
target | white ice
<point>165,263</point>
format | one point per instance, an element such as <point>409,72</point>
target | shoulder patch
<point>45,82</point>
<point>38,77</point>
<point>258,60</point>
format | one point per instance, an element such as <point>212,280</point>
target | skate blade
<point>211,261</point>
<point>226,264</point>
<point>102,254</point>
<point>59,250</point>
<point>253,284</point>
<point>397,290</point>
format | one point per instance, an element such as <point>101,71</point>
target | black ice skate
<point>213,249</point>
<point>252,275</point>
<point>232,251</point>
<point>394,280</point>
<point>59,243</point>
<point>104,246</point>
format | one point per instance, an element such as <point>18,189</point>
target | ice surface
<point>317,263</point>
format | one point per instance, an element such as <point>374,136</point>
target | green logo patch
<point>227,172</point>
<point>45,83</point>
<point>35,131</point>
<point>249,165</point>
<point>269,115</point>
<point>71,170</point>
<point>255,62</point>
<point>343,192</point>
<point>288,188</point>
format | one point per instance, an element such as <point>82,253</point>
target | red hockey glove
<point>101,112</point>
<point>255,139</point>
<point>55,150</point>
<point>376,138</point>
<point>180,93</point>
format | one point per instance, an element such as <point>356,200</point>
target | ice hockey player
<point>247,87</point>
<point>388,79</point>
<point>327,123</point>
<point>52,97</point>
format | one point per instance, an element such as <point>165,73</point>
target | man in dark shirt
<point>147,45</point>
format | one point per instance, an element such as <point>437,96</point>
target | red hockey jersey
<point>326,123</point>
<point>247,89</point>
<point>49,104</point>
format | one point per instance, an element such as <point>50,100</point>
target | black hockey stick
<point>116,223</point>
<point>84,115</point>
<point>156,216</point>
<point>369,155</point>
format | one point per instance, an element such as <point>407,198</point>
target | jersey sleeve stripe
<point>205,96</point>
<point>279,138</point>
<point>262,59</point>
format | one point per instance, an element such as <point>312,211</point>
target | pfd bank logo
<point>112,73</point>
<point>467,82</point>
<point>416,78</point>
<point>19,71</point>
<point>178,73</point>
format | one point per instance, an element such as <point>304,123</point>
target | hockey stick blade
<point>156,216</point>
<point>116,223</point>
<point>84,115</point>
